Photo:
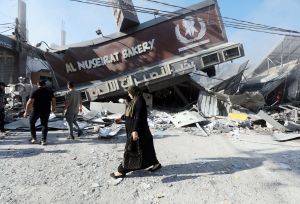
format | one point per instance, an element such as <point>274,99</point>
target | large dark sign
<point>184,35</point>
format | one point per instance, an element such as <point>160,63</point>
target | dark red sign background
<point>166,46</point>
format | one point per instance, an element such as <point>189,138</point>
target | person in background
<point>43,102</point>
<point>137,129</point>
<point>2,106</point>
<point>73,105</point>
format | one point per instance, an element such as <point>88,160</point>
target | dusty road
<point>216,169</point>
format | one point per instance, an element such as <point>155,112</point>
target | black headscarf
<point>135,92</point>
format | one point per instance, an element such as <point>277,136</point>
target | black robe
<point>139,123</point>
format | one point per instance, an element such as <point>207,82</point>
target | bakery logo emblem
<point>190,32</point>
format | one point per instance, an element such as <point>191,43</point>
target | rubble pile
<point>102,123</point>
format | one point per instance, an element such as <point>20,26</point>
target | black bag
<point>133,156</point>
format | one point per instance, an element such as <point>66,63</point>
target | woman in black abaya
<point>139,137</point>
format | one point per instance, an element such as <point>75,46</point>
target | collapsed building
<point>277,76</point>
<point>20,73</point>
<point>178,62</point>
<point>158,56</point>
<point>270,93</point>
<point>165,64</point>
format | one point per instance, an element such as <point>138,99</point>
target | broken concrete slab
<point>221,126</point>
<point>291,125</point>
<point>253,101</point>
<point>87,114</point>
<point>284,137</point>
<point>186,118</point>
<point>107,107</point>
<point>271,121</point>
<point>108,132</point>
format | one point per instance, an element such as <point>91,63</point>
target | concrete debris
<point>108,132</point>
<point>159,120</point>
<point>271,121</point>
<point>280,137</point>
<point>253,101</point>
<point>106,108</point>
<point>291,125</point>
<point>220,126</point>
<point>87,114</point>
<point>186,118</point>
<point>291,111</point>
<point>160,117</point>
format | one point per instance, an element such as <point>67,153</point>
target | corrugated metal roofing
<point>287,50</point>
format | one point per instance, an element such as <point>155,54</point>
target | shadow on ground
<point>58,138</point>
<point>29,152</point>
<point>283,161</point>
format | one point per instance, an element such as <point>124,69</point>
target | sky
<point>45,17</point>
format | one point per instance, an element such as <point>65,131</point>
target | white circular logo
<point>191,34</point>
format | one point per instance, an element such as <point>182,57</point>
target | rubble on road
<point>101,123</point>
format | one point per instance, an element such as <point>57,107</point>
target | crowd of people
<point>139,152</point>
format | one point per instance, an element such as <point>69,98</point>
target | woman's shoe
<point>155,167</point>
<point>113,175</point>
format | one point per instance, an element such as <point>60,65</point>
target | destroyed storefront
<point>223,99</point>
<point>18,59</point>
<point>21,67</point>
<point>277,76</point>
<point>158,62</point>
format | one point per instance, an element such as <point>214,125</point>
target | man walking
<point>43,102</point>
<point>2,105</point>
<point>73,104</point>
